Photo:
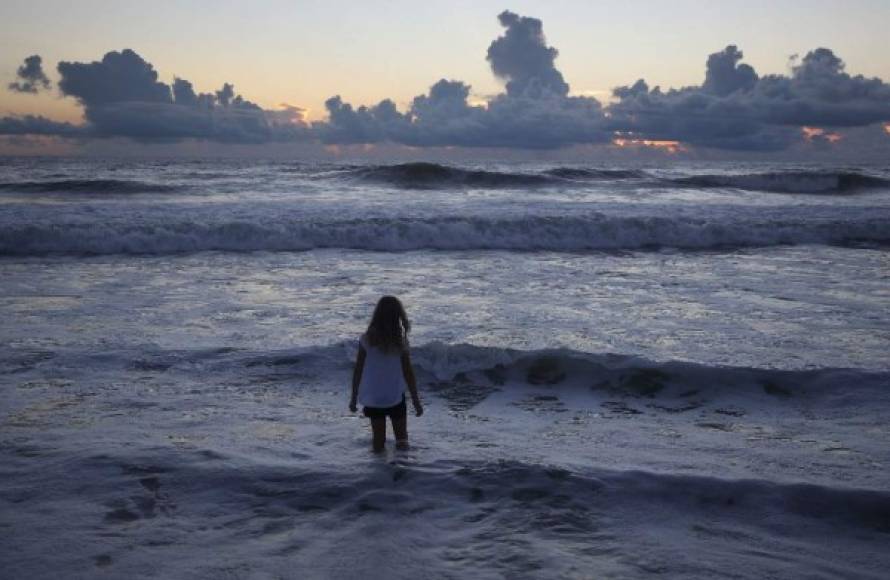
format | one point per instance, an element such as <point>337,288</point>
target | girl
<point>383,370</point>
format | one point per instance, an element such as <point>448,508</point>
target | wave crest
<point>87,186</point>
<point>424,175</point>
<point>594,232</point>
<point>632,374</point>
<point>579,173</point>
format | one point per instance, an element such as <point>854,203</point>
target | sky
<point>288,58</point>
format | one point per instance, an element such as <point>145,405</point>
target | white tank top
<point>383,383</point>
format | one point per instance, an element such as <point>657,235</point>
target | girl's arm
<point>411,381</point>
<point>357,378</point>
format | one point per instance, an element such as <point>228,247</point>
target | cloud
<point>31,76</point>
<point>287,114</point>
<point>348,125</point>
<point>119,77</point>
<point>122,97</point>
<point>522,57</point>
<point>443,117</point>
<point>724,75</point>
<point>36,125</point>
<point>733,108</point>
<point>821,92</point>
<point>736,109</point>
<point>535,112</point>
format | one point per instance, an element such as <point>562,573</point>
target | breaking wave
<point>87,186</point>
<point>463,375</point>
<point>512,495</point>
<point>424,175</point>
<point>433,176</point>
<point>460,370</point>
<point>592,232</point>
<point>461,366</point>
<point>594,174</point>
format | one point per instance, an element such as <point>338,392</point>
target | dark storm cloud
<point>35,125</point>
<point>122,97</point>
<point>184,93</point>
<point>733,109</point>
<point>119,77</point>
<point>348,125</point>
<point>443,117</point>
<point>724,75</point>
<point>736,109</point>
<point>31,77</point>
<point>534,113</point>
<point>522,57</point>
<point>821,92</point>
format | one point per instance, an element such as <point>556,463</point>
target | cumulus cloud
<point>119,77</point>
<point>736,109</point>
<point>821,92</point>
<point>36,125</point>
<point>522,57</point>
<point>724,75</point>
<point>535,112</point>
<point>31,77</point>
<point>122,97</point>
<point>733,108</point>
<point>443,117</point>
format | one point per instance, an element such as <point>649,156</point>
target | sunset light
<point>398,290</point>
<point>668,146</point>
<point>817,133</point>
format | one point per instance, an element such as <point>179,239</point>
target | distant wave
<point>434,176</point>
<point>813,182</point>
<point>424,175</point>
<point>578,173</point>
<point>87,186</point>
<point>532,233</point>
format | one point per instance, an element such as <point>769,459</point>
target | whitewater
<point>674,369</point>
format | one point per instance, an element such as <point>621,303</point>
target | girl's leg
<point>400,430</point>
<point>378,428</point>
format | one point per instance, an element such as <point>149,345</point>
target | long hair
<point>389,326</point>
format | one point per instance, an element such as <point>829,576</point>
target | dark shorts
<point>396,411</point>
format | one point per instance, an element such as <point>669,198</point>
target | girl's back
<point>383,382</point>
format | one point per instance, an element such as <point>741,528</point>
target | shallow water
<point>627,370</point>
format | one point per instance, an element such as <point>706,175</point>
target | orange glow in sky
<point>887,128</point>
<point>669,146</point>
<point>810,133</point>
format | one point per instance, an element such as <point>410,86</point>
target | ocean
<point>674,369</point>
